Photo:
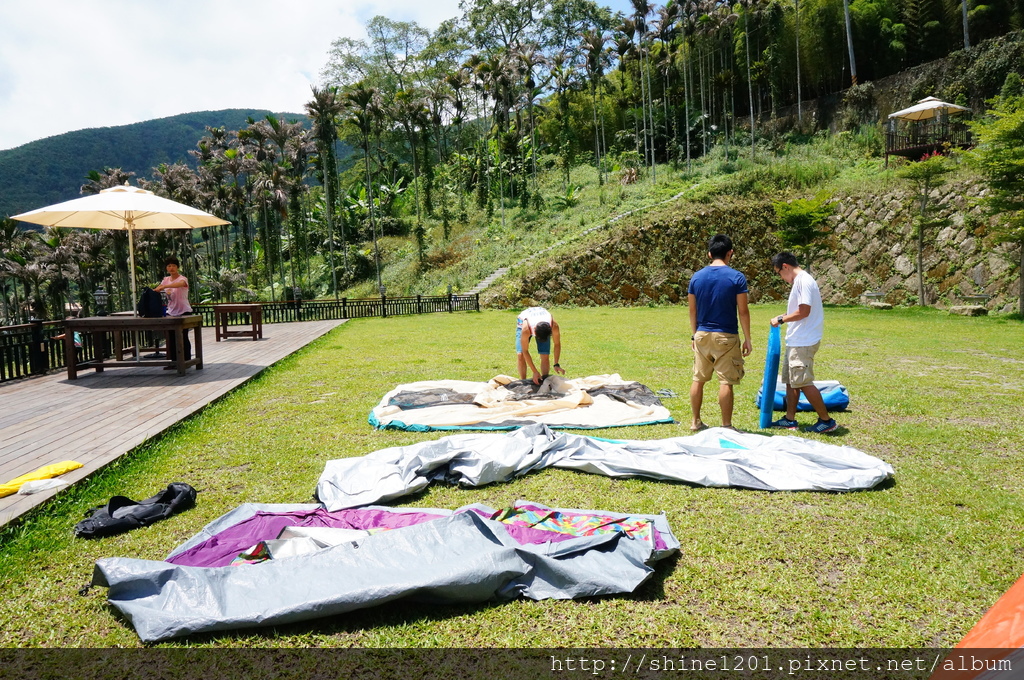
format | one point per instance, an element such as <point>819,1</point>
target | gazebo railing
<point>921,138</point>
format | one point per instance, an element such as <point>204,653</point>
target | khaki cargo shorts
<point>798,368</point>
<point>719,353</point>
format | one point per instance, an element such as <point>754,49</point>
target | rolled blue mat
<point>771,374</point>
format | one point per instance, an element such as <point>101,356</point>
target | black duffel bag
<point>122,514</point>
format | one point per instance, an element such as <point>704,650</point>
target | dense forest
<point>458,127</point>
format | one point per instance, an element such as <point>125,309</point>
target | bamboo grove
<point>412,132</point>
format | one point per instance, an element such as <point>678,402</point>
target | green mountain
<point>53,169</point>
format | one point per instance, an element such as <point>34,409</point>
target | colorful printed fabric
<point>254,555</point>
<point>574,524</point>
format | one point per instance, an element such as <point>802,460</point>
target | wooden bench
<point>222,314</point>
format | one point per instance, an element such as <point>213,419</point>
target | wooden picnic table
<point>116,325</point>
<point>223,312</point>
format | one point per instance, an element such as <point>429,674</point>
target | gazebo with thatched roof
<point>925,128</point>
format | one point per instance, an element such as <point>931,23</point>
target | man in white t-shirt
<point>806,320</point>
<point>537,322</point>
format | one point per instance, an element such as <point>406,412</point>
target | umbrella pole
<point>131,260</point>
<point>131,274</point>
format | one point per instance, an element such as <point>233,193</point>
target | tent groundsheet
<point>504,403</point>
<point>715,457</point>
<point>474,554</point>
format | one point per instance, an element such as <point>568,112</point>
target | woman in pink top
<point>175,286</point>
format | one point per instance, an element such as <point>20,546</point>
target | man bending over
<point>537,322</point>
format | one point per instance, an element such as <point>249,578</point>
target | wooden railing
<point>30,349</point>
<point>354,308</point>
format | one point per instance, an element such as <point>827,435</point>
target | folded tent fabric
<point>461,556</point>
<point>714,457</point>
<point>504,403</point>
<point>528,523</point>
<point>220,548</point>
<point>44,472</point>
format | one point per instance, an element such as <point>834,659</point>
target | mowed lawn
<point>914,563</point>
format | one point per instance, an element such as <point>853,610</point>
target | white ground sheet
<point>715,457</point>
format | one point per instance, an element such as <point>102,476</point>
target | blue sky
<point>623,6</point>
<point>74,64</point>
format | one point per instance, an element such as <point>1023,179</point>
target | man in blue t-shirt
<point>717,295</point>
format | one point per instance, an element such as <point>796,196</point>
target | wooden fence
<point>30,349</point>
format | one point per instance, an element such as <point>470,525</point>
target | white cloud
<point>73,64</point>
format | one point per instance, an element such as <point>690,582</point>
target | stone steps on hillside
<point>483,285</point>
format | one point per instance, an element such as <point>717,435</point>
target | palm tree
<point>594,44</point>
<point>98,181</point>
<point>410,111</point>
<point>270,198</point>
<point>496,77</point>
<point>625,48</point>
<point>529,57</point>
<point>458,81</point>
<point>641,10</point>
<point>563,73</point>
<point>750,8</point>
<point>323,111</point>
<point>665,30</point>
<point>301,148</point>
<point>239,166</point>
<point>14,246</point>
<point>290,141</point>
<point>57,249</point>
<point>687,18</point>
<point>365,110</point>
<point>179,183</point>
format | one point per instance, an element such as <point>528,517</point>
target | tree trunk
<point>750,84</point>
<point>330,227</point>
<point>920,267</point>
<point>967,39</point>
<point>799,97</point>
<point>849,43</point>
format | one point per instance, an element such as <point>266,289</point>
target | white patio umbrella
<point>926,108</point>
<point>126,208</point>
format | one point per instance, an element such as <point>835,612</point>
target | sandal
<point>699,428</point>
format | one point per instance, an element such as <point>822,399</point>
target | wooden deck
<point>101,416</point>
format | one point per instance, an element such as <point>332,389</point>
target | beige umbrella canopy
<point>123,207</point>
<point>926,108</point>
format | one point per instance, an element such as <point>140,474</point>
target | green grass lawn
<point>914,563</point>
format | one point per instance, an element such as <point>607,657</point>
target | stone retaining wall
<point>872,249</point>
<point>875,249</point>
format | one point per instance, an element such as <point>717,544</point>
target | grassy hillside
<point>50,170</point>
<point>533,241</point>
